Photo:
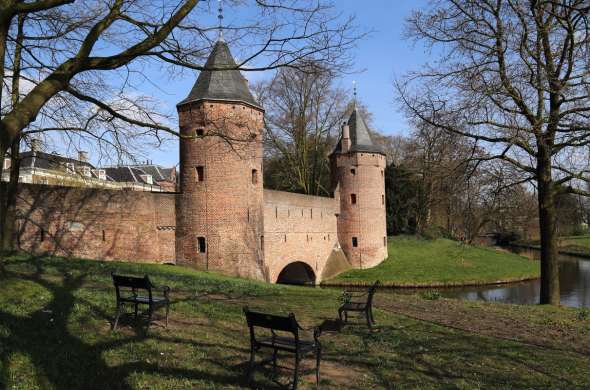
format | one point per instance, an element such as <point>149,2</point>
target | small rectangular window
<point>42,235</point>
<point>353,171</point>
<point>382,174</point>
<point>261,242</point>
<point>355,242</point>
<point>202,247</point>
<point>104,235</point>
<point>353,198</point>
<point>6,163</point>
<point>200,173</point>
<point>254,176</point>
<point>382,199</point>
<point>200,132</point>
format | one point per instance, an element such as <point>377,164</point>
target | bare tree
<point>303,113</point>
<point>512,76</point>
<point>80,65</point>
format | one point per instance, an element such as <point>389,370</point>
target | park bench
<point>360,303</point>
<point>128,290</point>
<point>282,334</point>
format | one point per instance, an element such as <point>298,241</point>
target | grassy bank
<point>417,262</point>
<point>55,318</point>
<point>568,245</point>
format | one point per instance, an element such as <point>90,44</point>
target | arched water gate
<point>297,273</point>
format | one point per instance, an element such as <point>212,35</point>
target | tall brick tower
<point>357,166</point>
<point>219,212</point>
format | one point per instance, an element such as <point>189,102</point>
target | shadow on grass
<point>206,346</point>
<point>61,360</point>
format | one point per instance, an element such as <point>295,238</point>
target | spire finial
<point>354,92</point>
<point>220,17</point>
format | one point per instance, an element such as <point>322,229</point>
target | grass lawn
<point>55,318</point>
<point>414,261</point>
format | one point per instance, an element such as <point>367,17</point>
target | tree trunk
<point>550,293</point>
<point>9,228</point>
<point>9,190</point>
<point>3,186</point>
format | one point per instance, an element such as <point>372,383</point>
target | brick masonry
<point>247,231</point>
<point>221,219</point>
<point>96,223</point>
<point>362,219</point>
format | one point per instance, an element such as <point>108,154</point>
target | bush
<point>431,295</point>
<point>579,230</point>
<point>583,314</point>
<point>433,232</point>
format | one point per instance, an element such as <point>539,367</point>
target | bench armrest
<point>317,331</point>
<point>164,289</point>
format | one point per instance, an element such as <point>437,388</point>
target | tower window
<point>382,199</point>
<point>355,242</point>
<point>254,176</point>
<point>200,171</point>
<point>200,132</point>
<point>104,235</point>
<point>201,245</point>
<point>353,198</point>
<point>353,171</point>
<point>262,243</point>
<point>382,174</point>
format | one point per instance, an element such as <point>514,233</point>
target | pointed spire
<point>220,17</point>
<point>358,131</point>
<point>224,82</point>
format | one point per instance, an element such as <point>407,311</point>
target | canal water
<point>574,277</point>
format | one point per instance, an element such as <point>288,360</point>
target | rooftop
<point>360,135</point>
<point>221,80</point>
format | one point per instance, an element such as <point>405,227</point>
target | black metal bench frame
<point>127,290</point>
<point>358,303</point>
<point>291,343</point>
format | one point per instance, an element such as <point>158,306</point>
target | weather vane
<point>354,90</point>
<point>220,17</point>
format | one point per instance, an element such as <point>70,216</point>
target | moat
<point>574,276</point>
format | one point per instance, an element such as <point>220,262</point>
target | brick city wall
<point>299,228</point>
<point>96,223</point>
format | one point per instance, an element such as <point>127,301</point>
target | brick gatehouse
<point>222,218</point>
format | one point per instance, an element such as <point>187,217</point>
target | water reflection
<point>574,277</point>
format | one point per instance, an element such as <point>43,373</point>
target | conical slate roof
<point>226,84</point>
<point>360,139</point>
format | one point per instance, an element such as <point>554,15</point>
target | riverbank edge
<point>584,255</point>
<point>411,285</point>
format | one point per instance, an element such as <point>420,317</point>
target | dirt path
<point>509,322</point>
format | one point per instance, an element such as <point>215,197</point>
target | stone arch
<point>297,272</point>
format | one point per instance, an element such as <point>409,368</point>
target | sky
<point>380,57</point>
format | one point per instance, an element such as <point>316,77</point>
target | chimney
<point>82,156</point>
<point>345,138</point>
<point>35,144</point>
